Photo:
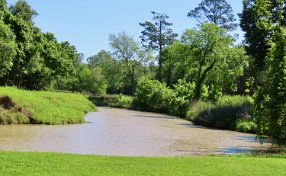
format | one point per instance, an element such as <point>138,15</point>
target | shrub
<point>152,95</point>
<point>225,114</point>
<point>184,89</point>
<point>246,125</point>
<point>179,106</point>
<point>116,101</point>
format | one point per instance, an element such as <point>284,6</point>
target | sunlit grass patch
<point>12,163</point>
<point>48,107</point>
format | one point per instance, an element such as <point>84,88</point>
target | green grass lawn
<point>13,163</point>
<point>45,107</point>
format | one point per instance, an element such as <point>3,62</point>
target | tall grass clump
<point>230,112</point>
<point>42,107</point>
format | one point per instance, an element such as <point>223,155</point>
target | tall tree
<point>23,10</point>
<point>98,59</point>
<point>270,101</point>
<point>111,69</point>
<point>257,34</point>
<point>126,49</point>
<point>214,11</point>
<point>156,36</point>
<point>209,47</point>
<point>7,48</point>
<point>29,58</point>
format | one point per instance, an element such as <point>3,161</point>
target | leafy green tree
<point>182,64</point>
<point>39,58</point>
<point>98,59</point>
<point>24,40</point>
<point>218,12</point>
<point>156,36</point>
<point>225,76</point>
<point>92,80</point>
<point>112,70</point>
<point>257,34</point>
<point>23,10</point>
<point>206,56</point>
<point>177,63</point>
<point>208,46</point>
<point>7,48</point>
<point>270,101</point>
<point>127,50</point>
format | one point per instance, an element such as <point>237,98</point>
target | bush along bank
<point>40,107</point>
<point>223,112</point>
<point>115,101</point>
<point>230,113</point>
<point>227,112</point>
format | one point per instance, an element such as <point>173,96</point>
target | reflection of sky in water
<point>131,133</point>
<point>234,150</point>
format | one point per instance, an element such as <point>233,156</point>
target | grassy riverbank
<point>12,163</point>
<point>41,107</point>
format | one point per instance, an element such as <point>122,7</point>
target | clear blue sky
<point>88,23</point>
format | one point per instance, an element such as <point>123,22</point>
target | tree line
<point>202,63</point>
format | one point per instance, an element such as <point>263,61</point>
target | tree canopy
<point>214,11</point>
<point>206,56</point>
<point>30,58</point>
<point>157,35</point>
<point>270,101</point>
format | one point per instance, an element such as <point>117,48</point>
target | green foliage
<point>116,101</point>
<point>214,11</point>
<point>227,113</point>
<point>185,89</point>
<point>92,80</point>
<point>99,59</point>
<point>270,100</point>
<point>29,58</point>
<point>88,80</point>
<point>129,52</point>
<point>257,21</point>
<point>49,107</point>
<point>112,70</point>
<point>156,36</point>
<point>3,5</point>
<point>246,125</point>
<point>206,56</point>
<point>23,10</point>
<point>7,48</point>
<point>152,95</point>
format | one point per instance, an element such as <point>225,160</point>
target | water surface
<point>127,133</point>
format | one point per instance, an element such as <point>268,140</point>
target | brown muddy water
<point>127,133</point>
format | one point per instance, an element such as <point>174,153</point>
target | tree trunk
<point>201,79</point>
<point>160,52</point>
